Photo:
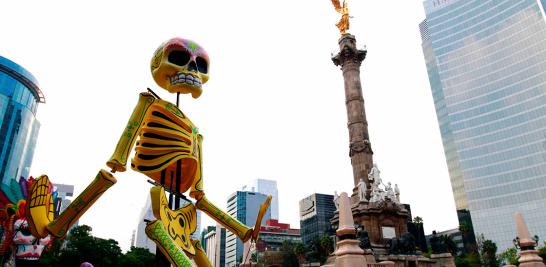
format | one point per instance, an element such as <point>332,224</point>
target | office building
<point>61,201</point>
<point>316,211</point>
<point>243,206</point>
<point>215,241</point>
<point>266,187</point>
<point>486,62</point>
<point>273,234</point>
<point>19,99</point>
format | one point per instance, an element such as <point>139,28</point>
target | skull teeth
<point>185,78</point>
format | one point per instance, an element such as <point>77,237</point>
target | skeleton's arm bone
<point>118,161</point>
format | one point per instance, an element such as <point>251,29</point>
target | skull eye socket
<point>202,65</point>
<point>179,57</point>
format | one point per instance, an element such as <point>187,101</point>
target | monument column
<point>360,150</point>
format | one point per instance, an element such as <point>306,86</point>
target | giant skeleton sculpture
<point>168,150</point>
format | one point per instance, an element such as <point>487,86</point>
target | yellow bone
<point>81,204</point>
<point>156,232</point>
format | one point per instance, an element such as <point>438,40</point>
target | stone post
<point>348,253</point>
<point>528,255</point>
<point>360,150</point>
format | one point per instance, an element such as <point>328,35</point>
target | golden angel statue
<point>343,24</point>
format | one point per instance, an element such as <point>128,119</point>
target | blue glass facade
<point>243,206</point>
<point>19,98</point>
<point>486,61</point>
<point>316,211</point>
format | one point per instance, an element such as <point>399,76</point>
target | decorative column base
<point>530,258</point>
<point>349,254</point>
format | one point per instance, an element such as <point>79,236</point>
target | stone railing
<point>381,264</point>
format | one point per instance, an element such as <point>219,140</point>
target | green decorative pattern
<point>157,233</point>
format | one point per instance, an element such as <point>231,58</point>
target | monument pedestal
<point>443,260</point>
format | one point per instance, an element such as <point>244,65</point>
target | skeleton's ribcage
<point>168,148</point>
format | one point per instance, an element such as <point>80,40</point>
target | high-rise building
<point>316,211</point>
<point>215,241</point>
<point>486,62</point>
<point>243,206</point>
<point>19,98</point>
<point>266,187</point>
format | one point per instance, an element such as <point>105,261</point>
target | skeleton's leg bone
<point>86,199</point>
<point>176,256</point>
<point>200,257</point>
<point>118,161</point>
<point>39,209</point>
<point>242,231</point>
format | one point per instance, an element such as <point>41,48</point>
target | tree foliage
<point>320,248</point>
<point>80,246</point>
<point>542,252</point>
<point>510,256</point>
<point>489,253</point>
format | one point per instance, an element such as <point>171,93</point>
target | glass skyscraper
<point>266,187</point>
<point>316,211</point>
<point>19,98</point>
<point>486,61</point>
<point>243,206</point>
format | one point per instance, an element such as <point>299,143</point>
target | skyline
<point>279,82</point>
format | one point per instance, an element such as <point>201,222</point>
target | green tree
<point>450,244</point>
<point>51,256</point>
<point>289,258</point>
<point>468,260</point>
<point>137,257</point>
<point>300,250</point>
<point>510,256</point>
<point>81,246</point>
<point>320,248</point>
<point>542,252</point>
<point>489,253</point>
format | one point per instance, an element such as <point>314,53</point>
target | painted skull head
<point>180,66</point>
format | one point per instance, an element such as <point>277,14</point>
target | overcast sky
<point>274,107</point>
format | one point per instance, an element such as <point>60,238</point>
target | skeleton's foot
<point>40,206</point>
<point>261,213</point>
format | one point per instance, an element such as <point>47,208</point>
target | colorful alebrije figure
<point>18,246</point>
<point>168,150</point>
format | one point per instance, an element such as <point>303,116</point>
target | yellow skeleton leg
<point>200,255</point>
<point>242,231</point>
<point>40,208</point>
<point>118,161</point>
<point>156,232</point>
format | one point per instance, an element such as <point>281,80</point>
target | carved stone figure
<point>362,190</point>
<point>397,193</point>
<point>336,198</point>
<point>374,176</point>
